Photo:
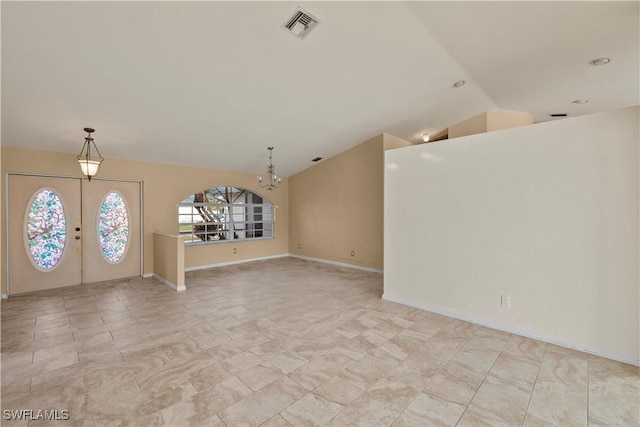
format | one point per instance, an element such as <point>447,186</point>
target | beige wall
<point>336,206</point>
<point>168,259</point>
<point>164,187</point>
<point>545,214</point>
<point>471,126</point>
<point>489,121</point>
<point>390,142</point>
<point>505,119</point>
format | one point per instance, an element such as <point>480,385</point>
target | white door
<point>45,250</point>
<point>111,219</point>
<point>68,231</point>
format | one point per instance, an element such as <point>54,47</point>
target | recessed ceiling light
<point>459,83</point>
<point>579,101</point>
<point>425,137</point>
<point>600,61</point>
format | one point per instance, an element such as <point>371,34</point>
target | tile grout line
<point>483,380</point>
<point>535,382</point>
<point>431,379</point>
<point>588,388</point>
<point>342,370</point>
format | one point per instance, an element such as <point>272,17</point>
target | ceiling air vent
<point>301,23</point>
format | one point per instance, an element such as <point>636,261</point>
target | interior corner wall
<point>164,186</point>
<point>336,207</point>
<point>3,288</point>
<point>504,119</point>
<point>471,126</point>
<point>390,142</point>
<point>545,214</point>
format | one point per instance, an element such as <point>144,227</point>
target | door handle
<point>77,228</point>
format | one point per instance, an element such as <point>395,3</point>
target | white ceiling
<point>212,84</point>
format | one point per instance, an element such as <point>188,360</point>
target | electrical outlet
<point>505,301</point>
<point>353,253</point>
<point>299,245</point>
<point>235,251</point>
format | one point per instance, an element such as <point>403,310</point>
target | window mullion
<point>231,225</point>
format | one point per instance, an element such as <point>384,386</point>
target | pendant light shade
<point>89,167</point>
<point>89,164</point>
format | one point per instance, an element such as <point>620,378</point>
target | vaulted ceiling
<point>212,84</point>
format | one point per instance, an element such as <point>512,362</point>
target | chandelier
<point>273,179</point>
<point>88,164</point>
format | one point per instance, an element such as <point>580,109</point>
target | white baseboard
<point>4,296</point>
<point>147,275</point>
<point>339,264</point>
<point>512,330</point>
<point>324,261</point>
<point>171,285</point>
<point>242,261</point>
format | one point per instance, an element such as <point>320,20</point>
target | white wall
<point>546,214</point>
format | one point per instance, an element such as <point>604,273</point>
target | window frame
<point>99,228</point>
<point>27,222</point>
<point>223,206</point>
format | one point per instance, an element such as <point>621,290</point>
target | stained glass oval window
<point>46,229</point>
<point>113,227</point>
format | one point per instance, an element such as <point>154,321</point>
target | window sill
<point>217,242</point>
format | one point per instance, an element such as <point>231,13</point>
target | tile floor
<point>288,342</point>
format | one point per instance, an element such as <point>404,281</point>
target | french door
<point>69,231</point>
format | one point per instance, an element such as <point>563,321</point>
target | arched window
<point>223,214</point>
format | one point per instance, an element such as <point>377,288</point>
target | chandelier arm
<point>82,151</point>
<point>98,151</point>
<point>274,180</point>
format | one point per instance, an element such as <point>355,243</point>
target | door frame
<point>8,232</point>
